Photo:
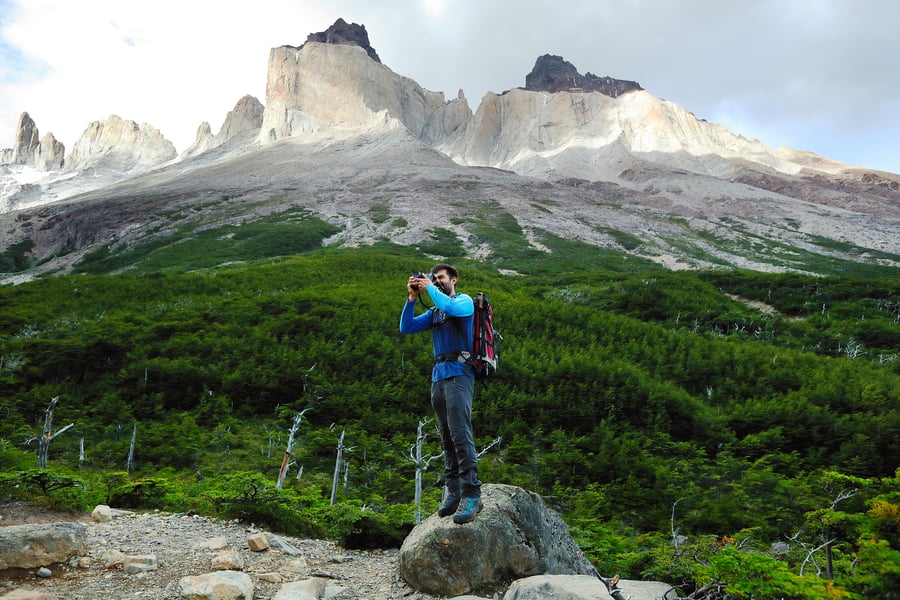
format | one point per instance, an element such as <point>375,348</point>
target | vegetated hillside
<point>747,401</point>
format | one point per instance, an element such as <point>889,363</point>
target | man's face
<point>446,283</point>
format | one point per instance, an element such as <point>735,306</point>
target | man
<point>452,382</point>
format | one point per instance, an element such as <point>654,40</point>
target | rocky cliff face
<point>562,125</point>
<point>121,146</point>
<point>246,117</point>
<point>27,141</point>
<point>597,137</point>
<point>322,87</point>
<point>50,154</point>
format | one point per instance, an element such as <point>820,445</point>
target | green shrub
<point>277,517</point>
<point>147,492</point>
<point>360,528</point>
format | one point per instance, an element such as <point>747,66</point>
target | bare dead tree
<point>810,552</point>
<point>826,540</point>
<point>273,440</point>
<point>286,461</point>
<point>418,459</point>
<point>484,450</point>
<point>337,465</point>
<point>677,540</point>
<point>130,462</point>
<point>46,435</point>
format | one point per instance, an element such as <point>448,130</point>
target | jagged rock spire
<point>554,74</point>
<point>29,149</point>
<point>27,140</point>
<point>350,34</point>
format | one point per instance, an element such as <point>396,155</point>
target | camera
<point>420,274</point>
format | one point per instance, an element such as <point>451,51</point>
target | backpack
<point>485,339</point>
<point>485,355</point>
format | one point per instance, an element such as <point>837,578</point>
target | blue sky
<point>814,75</point>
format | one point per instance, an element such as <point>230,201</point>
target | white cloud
<point>434,9</point>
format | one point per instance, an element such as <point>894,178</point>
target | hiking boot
<point>468,508</point>
<point>449,506</point>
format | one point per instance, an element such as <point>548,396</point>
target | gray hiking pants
<point>452,402</point>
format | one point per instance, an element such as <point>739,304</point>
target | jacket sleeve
<point>409,323</point>
<point>460,305</point>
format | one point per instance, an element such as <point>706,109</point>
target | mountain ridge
<point>577,164</point>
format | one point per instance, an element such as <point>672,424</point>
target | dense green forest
<point>708,427</point>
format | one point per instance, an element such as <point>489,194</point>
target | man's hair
<point>451,270</point>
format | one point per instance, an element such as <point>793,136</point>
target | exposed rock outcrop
<point>242,124</point>
<point>326,87</point>
<point>514,536</point>
<point>553,74</point>
<point>205,140</point>
<point>120,146</point>
<point>350,34</point>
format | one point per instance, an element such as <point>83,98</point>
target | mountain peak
<point>554,74</point>
<point>350,34</point>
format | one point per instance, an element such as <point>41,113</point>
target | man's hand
<point>413,287</point>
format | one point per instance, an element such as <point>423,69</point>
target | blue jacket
<point>445,334</point>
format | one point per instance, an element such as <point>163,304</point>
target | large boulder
<point>219,585</point>
<point>516,535</point>
<point>583,587</point>
<point>28,546</point>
